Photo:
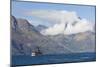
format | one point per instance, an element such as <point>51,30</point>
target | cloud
<point>54,30</point>
<point>81,26</point>
<point>65,22</point>
<point>55,16</point>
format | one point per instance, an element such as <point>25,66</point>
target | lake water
<point>53,59</point>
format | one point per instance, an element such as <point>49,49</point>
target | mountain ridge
<point>25,38</point>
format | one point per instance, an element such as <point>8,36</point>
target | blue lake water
<point>53,59</point>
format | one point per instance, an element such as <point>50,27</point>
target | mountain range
<point>41,27</point>
<point>26,38</point>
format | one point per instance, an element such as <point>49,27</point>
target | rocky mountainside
<point>25,39</point>
<point>41,27</point>
<point>81,42</point>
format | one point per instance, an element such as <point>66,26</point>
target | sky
<point>60,18</point>
<point>20,8</point>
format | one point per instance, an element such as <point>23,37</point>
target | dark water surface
<point>53,59</point>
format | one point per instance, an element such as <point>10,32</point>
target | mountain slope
<point>41,27</point>
<point>25,39</point>
<point>81,42</point>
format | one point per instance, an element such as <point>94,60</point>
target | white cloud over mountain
<point>81,26</point>
<point>65,22</point>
